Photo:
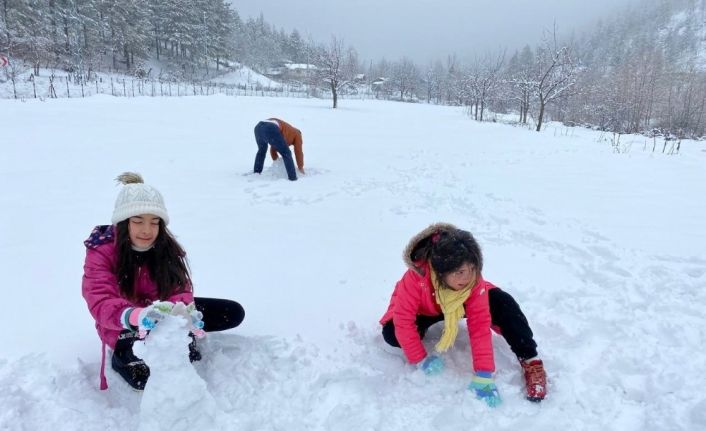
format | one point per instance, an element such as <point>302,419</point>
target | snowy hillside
<point>604,251</point>
<point>244,75</point>
<point>676,29</point>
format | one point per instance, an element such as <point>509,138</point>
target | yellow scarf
<point>451,303</point>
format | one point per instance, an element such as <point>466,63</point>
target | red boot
<point>536,380</point>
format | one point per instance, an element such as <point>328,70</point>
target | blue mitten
<point>483,385</point>
<point>431,365</point>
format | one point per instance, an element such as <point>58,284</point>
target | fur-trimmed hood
<point>417,251</point>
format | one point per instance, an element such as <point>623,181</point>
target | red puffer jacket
<point>414,296</point>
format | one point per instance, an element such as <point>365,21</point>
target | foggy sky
<point>425,30</point>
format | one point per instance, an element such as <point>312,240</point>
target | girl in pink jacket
<point>444,283</point>
<point>134,273</point>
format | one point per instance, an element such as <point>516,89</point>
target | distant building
<point>378,86</point>
<point>300,70</point>
<point>273,72</point>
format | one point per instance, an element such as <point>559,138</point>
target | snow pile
<point>175,398</point>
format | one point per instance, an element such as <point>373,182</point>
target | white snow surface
<point>604,251</point>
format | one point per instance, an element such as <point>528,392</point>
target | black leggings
<point>505,313</point>
<point>219,314</point>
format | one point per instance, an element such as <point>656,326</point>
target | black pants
<point>218,315</point>
<point>505,313</point>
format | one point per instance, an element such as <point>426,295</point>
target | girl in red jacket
<point>135,272</point>
<point>444,283</point>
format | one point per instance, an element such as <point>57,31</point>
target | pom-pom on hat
<point>137,198</point>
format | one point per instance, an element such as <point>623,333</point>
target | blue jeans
<point>268,133</point>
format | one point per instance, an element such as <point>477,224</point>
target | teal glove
<point>483,385</point>
<point>431,365</point>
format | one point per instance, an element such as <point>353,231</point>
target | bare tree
<point>12,71</point>
<point>451,84</point>
<point>484,81</point>
<point>433,78</point>
<point>555,74</point>
<point>405,77</point>
<point>684,107</point>
<point>521,80</point>
<point>335,68</point>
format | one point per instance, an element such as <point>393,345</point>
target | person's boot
<point>130,367</point>
<point>535,379</point>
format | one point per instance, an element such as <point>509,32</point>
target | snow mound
<point>175,397</point>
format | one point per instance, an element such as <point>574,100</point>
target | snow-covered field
<point>605,253</point>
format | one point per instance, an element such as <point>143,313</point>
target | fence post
<point>52,88</point>
<point>68,94</point>
<point>124,91</point>
<point>112,88</point>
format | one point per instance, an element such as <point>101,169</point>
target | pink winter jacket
<point>414,296</point>
<point>101,291</point>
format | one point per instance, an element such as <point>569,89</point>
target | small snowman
<point>175,396</point>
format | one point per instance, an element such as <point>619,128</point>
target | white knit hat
<point>137,198</point>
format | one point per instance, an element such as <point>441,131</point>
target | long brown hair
<point>165,261</point>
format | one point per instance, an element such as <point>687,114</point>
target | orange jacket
<point>292,136</point>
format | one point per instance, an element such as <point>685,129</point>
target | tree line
<point>643,71</point>
<point>640,71</point>
<point>186,36</point>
